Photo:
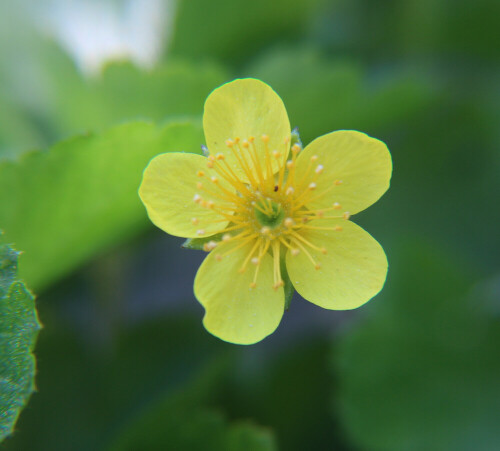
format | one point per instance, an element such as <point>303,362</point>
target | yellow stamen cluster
<point>267,212</point>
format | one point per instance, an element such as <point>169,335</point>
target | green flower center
<point>269,213</point>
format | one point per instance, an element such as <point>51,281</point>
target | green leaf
<point>422,371</point>
<point>19,328</point>
<point>67,204</point>
<point>48,98</point>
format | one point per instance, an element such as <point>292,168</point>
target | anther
<point>314,158</point>
<point>199,185</point>
<point>197,198</point>
<point>253,285</point>
<point>319,169</point>
<point>346,215</point>
<point>290,164</point>
<point>323,251</point>
<point>210,164</point>
<point>245,144</point>
<point>211,245</point>
<point>229,143</point>
<point>296,148</point>
<point>336,206</point>
<point>220,156</point>
<point>289,222</point>
<point>317,266</point>
<point>264,138</point>
<point>278,284</point>
<point>237,140</point>
<point>265,230</point>
<point>218,257</point>
<point>338,182</point>
<point>289,191</point>
<point>200,232</point>
<point>214,179</point>
<point>338,228</point>
<point>255,260</point>
<point>320,213</point>
<point>195,221</point>
<point>251,139</point>
<point>200,173</point>
<point>210,204</point>
<point>295,251</point>
<point>276,154</point>
<point>312,186</point>
<point>226,237</point>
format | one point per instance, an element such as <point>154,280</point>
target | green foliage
<point>65,205</point>
<point>322,95</point>
<point>191,430</point>
<point>149,390</point>
<point>421,372</point>
<point>235,34</point>
<point>62,101</point>
<point>19,328</point>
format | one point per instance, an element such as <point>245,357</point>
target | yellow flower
<point>273,205</point>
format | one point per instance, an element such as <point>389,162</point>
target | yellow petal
<point>357,166</point>
<point>168,188</point>
<point>351,273</point>
<point>234,311</point>
<point>242,109</point>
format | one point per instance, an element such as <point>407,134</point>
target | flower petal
<point>234,311</point>
<point>351,273</point>
<point>168,187</point>
<point>242,109</point>
<point>361,166</point>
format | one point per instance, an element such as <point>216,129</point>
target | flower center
<point>269,213</point>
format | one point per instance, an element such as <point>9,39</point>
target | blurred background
<point>91,90</point>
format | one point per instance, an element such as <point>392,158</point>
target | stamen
<point>337,206</point>
<point>346,215</point>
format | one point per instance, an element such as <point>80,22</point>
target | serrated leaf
<point>19,328</point>
<point>65,205</point>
